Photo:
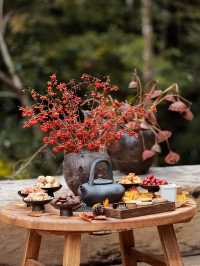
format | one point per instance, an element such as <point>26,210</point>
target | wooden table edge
<point>114,225</point>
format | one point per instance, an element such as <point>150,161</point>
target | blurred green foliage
<point>100,37</point>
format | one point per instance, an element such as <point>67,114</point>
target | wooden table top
<point>19,215</point>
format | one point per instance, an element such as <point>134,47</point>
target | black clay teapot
<point>97,190</point>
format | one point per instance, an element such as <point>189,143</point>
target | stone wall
<point>104,249</point>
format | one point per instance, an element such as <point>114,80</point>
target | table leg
<point>32,248</point>
<point>126,239</point>
<point>72,247</point>
<point>170,245</point>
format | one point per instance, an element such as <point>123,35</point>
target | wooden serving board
<point>139,210</point>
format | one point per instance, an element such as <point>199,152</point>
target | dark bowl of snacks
<point>37,200</point>
<point>48,183</point>
<point>127,186</point>
<point>152,183</point>
<point>67,204</point>
<point>22,195</point>
<point>24,192</point>
<point>51,190</point>
<point>151,188</point>
<point>131,180</point>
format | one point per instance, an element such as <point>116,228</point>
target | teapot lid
<point>102,181</point>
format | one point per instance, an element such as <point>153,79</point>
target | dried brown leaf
<point>144,125</point>
<point>155,94</point>
<point>178,106</point>
<point>172,157</point>
<point>150,116</point>
<point>163,135</point>
<point>170,98</point>
<point>147,154</point>
<point>188,115</point>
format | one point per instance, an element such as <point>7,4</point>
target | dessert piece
<point>87,216</point>
<point>47,182</point>
<point>67,204</point>
<point>38,200</point>
<point>131,178</point>
<point>37,196</point>
<point>106,203</point>
<point>182,197</point>
<point>134,195</point>
<point>24,192</point>
<point>28,190</point>
<point>69,201</point>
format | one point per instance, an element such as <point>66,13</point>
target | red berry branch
<point>81,114</point>
<point>59,113</point>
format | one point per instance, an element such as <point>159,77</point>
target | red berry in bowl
<point>154,181</point>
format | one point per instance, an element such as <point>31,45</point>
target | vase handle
<point>93,167</point>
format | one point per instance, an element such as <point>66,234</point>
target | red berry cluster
<point>81,115</point>
<point>154,181</point>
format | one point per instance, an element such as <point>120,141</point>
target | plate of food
<point>67,204</point>
<point>24,192</point>
<point>48,183</point>
<point>152,183</point>
<point>130,180</point>
<point>37,200</point>
<point>133,196</point>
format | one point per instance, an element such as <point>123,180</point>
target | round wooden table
<point>72,228</point>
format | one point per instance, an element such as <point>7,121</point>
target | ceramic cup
<point>168,192</point>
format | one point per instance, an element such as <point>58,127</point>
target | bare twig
<point>6,79</point>
<point>4,21</point>
<point>17,83</point>
<point>7,94</point>
<point>9,63</point>
<point>1,11</point>
<point>147,30</point>
<point>27,162</point>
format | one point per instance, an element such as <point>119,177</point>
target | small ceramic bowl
<point>38,205</point>
<point>67,210</point>
<point>50,191</point>
<point>23,196</point>
<point>151,188</point>
<point>127,186</point>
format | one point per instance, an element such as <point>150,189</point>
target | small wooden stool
<point>72,228</point>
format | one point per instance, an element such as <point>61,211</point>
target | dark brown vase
<point>76,167</point>
<point>126,155</point>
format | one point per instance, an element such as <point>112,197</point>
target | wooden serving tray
<point>136,211</point>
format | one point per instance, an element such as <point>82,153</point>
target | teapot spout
<point>81,191</point>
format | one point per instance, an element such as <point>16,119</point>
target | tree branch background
<point>159,38</point>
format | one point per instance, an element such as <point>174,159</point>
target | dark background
<point>100,37</point>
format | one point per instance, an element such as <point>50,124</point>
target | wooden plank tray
<point>123,213</point>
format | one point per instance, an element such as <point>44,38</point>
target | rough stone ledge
<point>104,249</point>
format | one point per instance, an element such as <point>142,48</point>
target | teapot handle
<point>93,167</point>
